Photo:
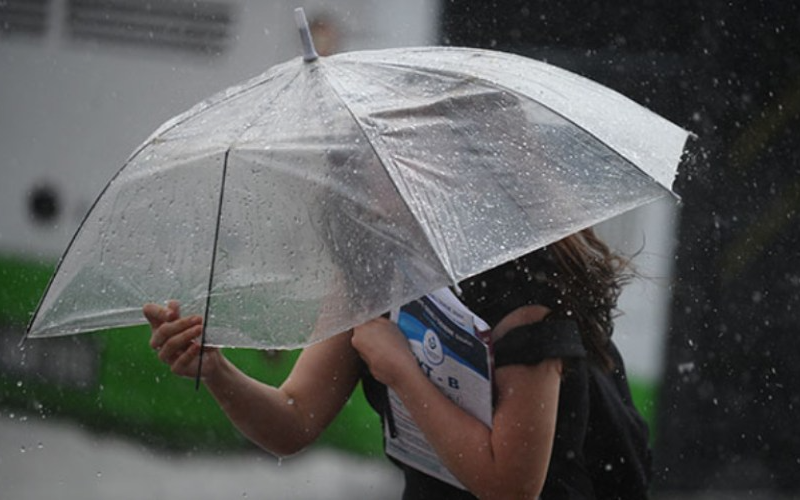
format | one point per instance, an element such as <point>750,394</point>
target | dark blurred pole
<point>728,416</point>
<point>730,411</point>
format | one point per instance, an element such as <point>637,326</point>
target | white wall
<point>71,113</point>
<point>649,234</point>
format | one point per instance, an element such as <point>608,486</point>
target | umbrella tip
<point>309,52</point>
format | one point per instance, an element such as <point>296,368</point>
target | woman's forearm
<point>264,414</point>
<point>286,419</point>
<point>506,461</point>
<point>282,420</point>
<point>462,442</point>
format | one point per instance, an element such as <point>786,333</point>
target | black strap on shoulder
<point>531,344</point>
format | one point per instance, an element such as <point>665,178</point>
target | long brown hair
<point>592,280</point>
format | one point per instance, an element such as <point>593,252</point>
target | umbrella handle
<point>309,52</point>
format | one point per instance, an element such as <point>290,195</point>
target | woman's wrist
<point>406,375</point>
<point>219,373</point>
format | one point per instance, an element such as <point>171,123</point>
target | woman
<point>563,426</point>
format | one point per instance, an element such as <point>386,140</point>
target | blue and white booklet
<point>452,348</point>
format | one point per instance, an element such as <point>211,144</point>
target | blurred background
<point>708,330</point>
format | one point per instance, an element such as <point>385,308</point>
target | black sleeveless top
<point>571,474</point>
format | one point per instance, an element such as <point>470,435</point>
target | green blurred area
<point>644,396</point>
<point>133,394</point>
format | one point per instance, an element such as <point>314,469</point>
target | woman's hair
<point>591,280</point>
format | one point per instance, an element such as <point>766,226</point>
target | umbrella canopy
<point>327,191</point>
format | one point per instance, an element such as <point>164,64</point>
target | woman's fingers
<point>185,362</point>
<point>173,310</point>
<point>157,315</point>
<point>176,344</point>
<point>176,326</point>
<point>168,330</point>
<point>175,339</point>
<point>153,315</point>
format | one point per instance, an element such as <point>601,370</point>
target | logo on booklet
<point>432,348</point>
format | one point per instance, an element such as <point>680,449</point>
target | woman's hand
<point>385,350</point>
<point>177,340</point>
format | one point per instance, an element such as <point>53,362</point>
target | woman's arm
<point>286,419</point>
<point>510,459</point>
<point>282,420</point>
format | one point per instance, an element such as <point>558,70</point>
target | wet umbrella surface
<point>326,191</point>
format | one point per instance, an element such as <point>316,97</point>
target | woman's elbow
<point>285,444</point>
<point>511,494</point>
<point>283,450</point>
<point>510,489</point>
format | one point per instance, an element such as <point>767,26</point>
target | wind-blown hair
<point>591,280</point>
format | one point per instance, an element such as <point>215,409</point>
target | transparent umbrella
<point>328,190</point>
